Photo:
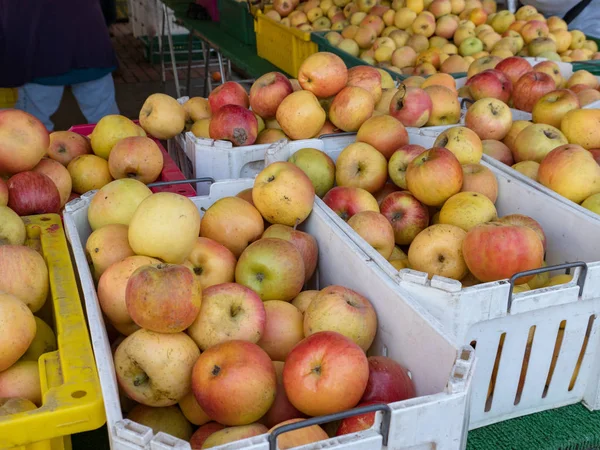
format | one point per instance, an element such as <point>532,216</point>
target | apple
<point>164,298</point>
<point>481,63</point>
<point>283,194</point>
<point>283,329</point>
<point>389,382</point>
<point>232,434</point>
<point>406,214</point>
<point>3,193</point>
<point>536,141</point>
<point>571,171</point>
<point>136,157</point>
<point>24,141</point>
<point>116,202</point>
<point>233,223</point>
<point>10,406</point>
<point>229,312</point>
<point>552,107</point>
<point>163,117</point>
<point>22,380</point>
<point>579,127</point>
<point>229,93</point>
<point>154,368</point>
<point>522,250</point>
<point>304,243</point>
<point>596,154</point>
<point>300,437</point>
<point>528,168</point>
<point>367,78</point>
<point>269,136</point>
<point>106,246</point>
<point>59,176</point>
<point>344,311</point>
<point>17,329</point>
<point>351,107</point>
<point>202,433</point>
<point>467,210</point>
<point>403,57</point>
<point>303,299</point>
<point>399,162</point>
<point>346,201</point>
<point>520,219</point>
<point>490,83</point>
<point>463,143</point>
<point>151,227</point>
<point>478,178</point>
<point>267,93</point>
<point>446,108</point>
<point>88,172</point>
<point>318,166</point>
<point>32,193</point>
<point>489,118</point>
<point>192,410</point>
<point>374,22</point>
<point>211,262</point>
<point>530,88</point>
<point>534,29</point>
<point>234,123</point>
<point>583,77</point>
<point>300,115</point>
<point>592,203</point>
<point>66,145</point>
<point>411,106</point>
<point>587,96</point>
<point>13,230</point>
<point>470,46</point>
<point>375,229</point>
<point>361,165</point>
<point>112,128</point>
<point>314,368</point>
<point>112,287</point>
<point>234,382</point>
<point>550,68</point>
<point>437,250</point>
<point>516,127</point>
<point>434,176</point>
<point>197,108</point>
<point>384,133</point>
<point>201,129</point>
<point>168,420</point>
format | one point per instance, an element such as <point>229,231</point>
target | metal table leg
<point>188,89</point>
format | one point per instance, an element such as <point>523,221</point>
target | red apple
<point>164,298</point>
<point>66,145</point>
<point>494,251</point>
<point>490,83</point>
<point>434,176</point>
<point>202,433</point>
<point>229,93</point>
<point>387,189</point>
<point>520,219</point>
<point>357,423</point>
<point>514,67</point>
<point>347,201</point>
<point>267,93</point>
<point>411,105</point>
<point>234,382</point>
<point>375,229</point>
<point>137,157</point>
<point>234,123</point>
<point>351,107</point>
<point>498,150</point>
<point>325,373</point>
<point>530,88</point>
<point>407,215</point>
<point>368,78</point>
<point>323,73</point>
<point>388,382</point>
<point>23,141</point>
<point>58,174</point>
<point>32,193</point>
<point>282,409</point>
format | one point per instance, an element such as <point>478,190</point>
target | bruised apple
<point>234,123</point>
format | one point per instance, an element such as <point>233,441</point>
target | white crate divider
<point>442,371</point>
<point>481,314</point>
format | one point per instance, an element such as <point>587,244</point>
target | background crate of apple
<point>442,372</point>
<point>72,398</point>
<point>480,315</point>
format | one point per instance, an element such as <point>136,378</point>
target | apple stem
<point>296,224</point>
<point>140,379</point>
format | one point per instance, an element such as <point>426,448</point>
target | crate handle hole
<point>591,321</point>
<point>492,385</point>
<point>78,394</point>
<point>45,219</point>
<point>525,365</point>
<point>559,340</point>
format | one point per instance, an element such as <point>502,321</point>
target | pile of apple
<point>214,328</point>
<point>424,37</point>
<point>311,15</point>
<point>44,171</point>
<point>24,337</point>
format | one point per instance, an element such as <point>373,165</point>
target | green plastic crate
<point>351,61</point>
<point>235,20</point>
<point>180,44</point>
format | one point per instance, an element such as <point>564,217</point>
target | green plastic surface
<point>235,19</point>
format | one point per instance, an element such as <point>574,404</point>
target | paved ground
<point>135,80</point>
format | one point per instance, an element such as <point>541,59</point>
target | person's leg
<point>40,101</point>
<point>96,98</point>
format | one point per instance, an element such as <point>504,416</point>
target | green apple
<point>470,46</point>
<point>318,166</point>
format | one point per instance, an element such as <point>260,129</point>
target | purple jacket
<point>45,38</point>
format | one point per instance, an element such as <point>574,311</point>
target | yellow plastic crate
<point>283,46</point>
<point>8,97</point>
<point>71,395</point>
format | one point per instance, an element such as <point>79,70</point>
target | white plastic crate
<point>442,372</point>
<point>482,314</point>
